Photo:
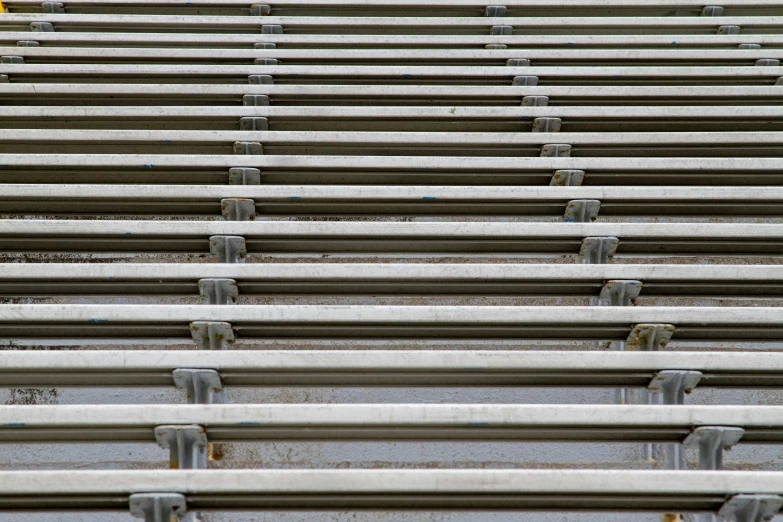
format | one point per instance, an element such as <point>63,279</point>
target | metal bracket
<point>729,29</point>
<point>253,123</point>
<point>749,46</point>
<point>260,10</point>
<point>248,148</point>
<point>228,249</point>
<point>535,101</point>
<point>546,125</point>
<point>597,250</point>
<point>266,61</point>
<point>52,8</point>
<point>751,508</point>
<point>567,178</point>
<point>238,209</point>
<point>556,150</point>
<point>517,62</point>
<point>28,43</point>
<point>41,27</point>
<point>187,445</point>
<point>524,81</point>
<point>619,292</point>
<point>4,78</point>
<point>712,441</point>
<point>767,62</point>
<point>218,291</point>
<point>649,337</point>
<point>271,29</point>
<point>494,11</point>
<point>712,10</point>
<point>264,45</point>
<point>501,30</point>
<point>581,211</point>
<point>254,100</point>
<point>260,79</point>
<point>244,176</point>
<point>495,47</point>
<point>779,81</point>
<point>212,335</point>
<point>201,385</point>
<point>674,384</point>
<point>11,59</point>
<point>158,507</point>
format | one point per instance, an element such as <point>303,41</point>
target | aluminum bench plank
<point>15,94</point>
<point>169,169</point>
<point>516,144</point>
<point>574,490</point>
<point>283,229</point>
<point>278,237</point>
<point>106,368</point>
<point>229,24</point>
<point>181,137</point>
<point>421,163</point>
<point>356,422</point>
<point>727,75</point>
<point>177,142</point>
<point>33,279</point>
<point>411,3</point>
<point>582,323</point>
<point>153,39</point>
<point>348,200</point>
<point>405,112</point>
<point>335,280</point>
<point>337,272</point>
<point>276,193</point>
<point>689,57</point>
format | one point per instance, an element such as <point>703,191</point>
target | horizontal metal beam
<point>229,23</point>
<point>271,237</point>
<point>388,322</point>
<point>288,422</point>
<point>346,272</point>
<point>556,490</point>
<point>400,163</point>
<point>406,113</point>
<point>276,193</point>
<point>410,3</point>
<point>106,368</point>
<point>152,39</point>
<point>456,139</point>
<point>373,115</point>
<point>404,315</point>
<point>384,170</point>
<point>286,95</point>
<point>347,200</point>
<point>504,144</point>
<point>276,237</point>
<point>680,56</point>
<point>409,74</point>
<point>95,280</point>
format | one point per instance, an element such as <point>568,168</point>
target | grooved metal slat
<point>358,422</point>
<point>389,368</point>
<point>396,489</point>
